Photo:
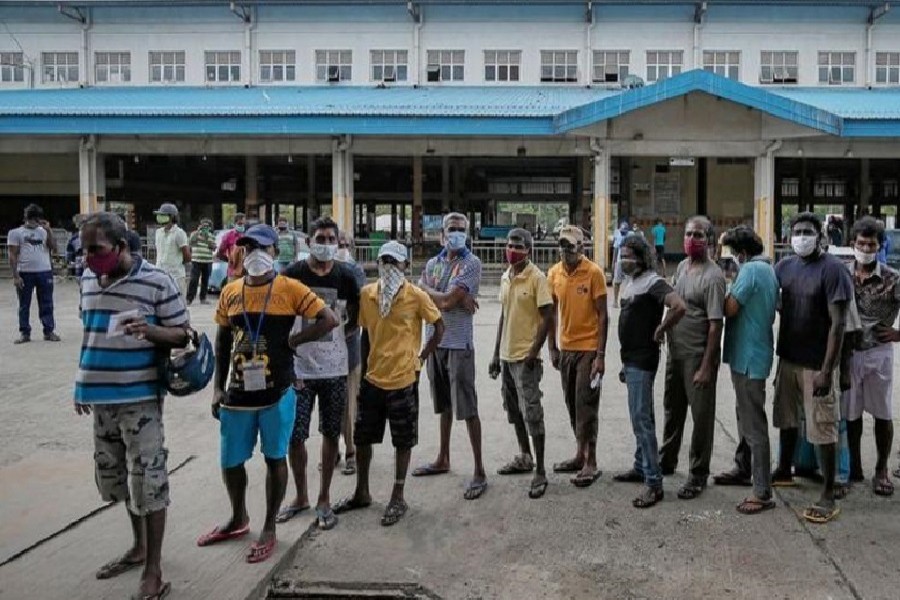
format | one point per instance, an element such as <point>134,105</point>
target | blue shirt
<point>885,249</point>
<point>443,274</point>
<point>659,234</point>
<point>749,339</point>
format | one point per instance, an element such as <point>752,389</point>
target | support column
<point>865,188</point>
<point>417,200</point>
<point>311,209</point>
<point>251,188</point>
<point>91,177</point>
<point>445,184</point>
<point>342,183</point>
<point>601,208</point>
<point>764,204</point>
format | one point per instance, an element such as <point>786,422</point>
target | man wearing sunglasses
<point>451,279</point>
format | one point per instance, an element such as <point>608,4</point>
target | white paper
<point>118,321</point>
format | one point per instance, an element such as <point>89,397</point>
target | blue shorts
<point>239,429</point>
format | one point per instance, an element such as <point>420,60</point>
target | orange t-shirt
<point>575,294</point>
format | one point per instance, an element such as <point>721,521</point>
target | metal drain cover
<point>283,589</point>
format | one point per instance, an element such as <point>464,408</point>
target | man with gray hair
<point>451,279</point>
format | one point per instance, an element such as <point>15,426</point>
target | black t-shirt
<point>642,302</point>
<point>807,288</point>
<point>341,278</point>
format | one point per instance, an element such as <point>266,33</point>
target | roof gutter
<point>874,14</point>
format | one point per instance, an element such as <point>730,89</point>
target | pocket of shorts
<point>825,409</point>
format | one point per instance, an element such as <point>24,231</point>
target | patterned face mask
<point>392,279</point>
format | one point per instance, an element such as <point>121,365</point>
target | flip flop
<point>393,513</point>
<point>537,489</point>
<point>882,487</point>
<point>260,552</point>
<point>349,466</point>
<point>821,514</point>
<point>326,519</point>
<point>567,466</point>
<point>689,491</point>
<point>217,535</point>
<point>732,478</point>
<point>516,466</point>
<point>116,567</point>
<point>162,593</point>
<point>427,470</point>
<point>630,476</point>
<point>781,479</point>
<point>583,481</point>
<point>841,490</point>
<point>347,504</point>
<point>474,489</point>
<point>289,512</point>
<point>649,497</point>
<point>754,506</point>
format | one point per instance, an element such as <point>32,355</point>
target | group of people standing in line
<point>296,333</point>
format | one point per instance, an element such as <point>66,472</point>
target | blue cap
<point>395,250</point>
<point>260,234</point>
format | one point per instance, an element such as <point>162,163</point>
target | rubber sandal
<point>821,514</point>
<point>649,497</point>
<point>289,512</point>
<point>516,466</point>
<point>326,519</point>
<point>475,489</point>
<point>347,504</point>
<point>882,487</point>
<point>690,491</point>
<point>216,535</point>
<point>782,479</point>
<point>427,470</point>
<point>393,513</point>
<point>584,481</point>
<point>753,506</point>
<point>116,567</point>
<point>162,593</point>
<point>630,476</point>
<point>537,489</point>
<point>349,466</point>
<point>732,478</point>
<point>841,490</point>
<point>567,466</point>
<point>260,552</point>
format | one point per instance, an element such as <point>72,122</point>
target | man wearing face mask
<point>815,291</point>
<point>452,279</point>
<point>172,248</point>
<point>693,362</point>
<point>229,251</point>
<point>30,249</point>
<point>203,244</point>
<point>871,367</point>
<point>749,350</point>
<point>619,236</point>
<point>287,244</point>
<point>131,311</point>
<point>321,367</point>
<point>526,317</point>
<point>255,345</point>
<point>578,287</point>
<point>391,313</point>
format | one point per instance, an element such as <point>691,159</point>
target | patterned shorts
<point>332,395</point>
<point>378,407</point>
<point>130,456</point>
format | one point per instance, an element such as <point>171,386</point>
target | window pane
<point>881,75</point>
<point>546,72</point>
<point>490,56</point>
<point>445,57</point>
<point>345,73</point>
<point>765,73</point>
<point>401,72</point>
<point>894,76</point>
<point>377,72</point>
<point>265,73</point>
<point>458,56</point>
<point>847,75</point>
<point>490,73</point>
<point>559,72</point>
<point>321,72</point>
<point>651,73</point>
<point>457,73</point>
<point>346,57</point>
<point>167,70</point>
<point>445,72</point>
<point>278,73</point>
<point>222,73</point>
<point>676,69</point>
<point>823,74</point>
<point>514,73</point>
<point>836,74</point>
<point>179,73</point>
<point>732,72</point>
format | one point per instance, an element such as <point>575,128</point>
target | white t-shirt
<point>34,255</point>
<point>326,357</point>
<point>169,257</point>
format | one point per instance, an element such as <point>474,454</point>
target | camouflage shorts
<point>129,456</point>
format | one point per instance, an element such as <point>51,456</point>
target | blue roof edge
<point>698,80</point>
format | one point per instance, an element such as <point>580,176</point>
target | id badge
<point>254,376</point>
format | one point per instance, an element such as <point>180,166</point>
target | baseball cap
<point>260,234</point>
<point>572,234</point>
<point>395,250</point>
<point>166,209</point>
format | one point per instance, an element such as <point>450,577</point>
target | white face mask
<point>343,255</point>
<point>323,252</point>
<point>804,245</point>
<point>258,263</point>
<point>864,258</point>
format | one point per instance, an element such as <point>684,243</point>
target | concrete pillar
<point>311,208</point>
<point>417,200</point>
<point>445,184</point>
<point>865,187</point>
<point>251,189</point>
<point>342,184</point>
<point>764,201</point>
<point>91,177</point>
<point>601,207</point>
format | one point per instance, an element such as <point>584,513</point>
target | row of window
<point>560,66</point>
<point>834,188</point>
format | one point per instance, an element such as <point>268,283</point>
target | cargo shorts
<point>794,393</point>
<point>521,391</point>
<point>130,455</point>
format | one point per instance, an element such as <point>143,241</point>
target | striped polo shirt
<point>201,252</point>
<point>123,369</point>
<point>442,274</point>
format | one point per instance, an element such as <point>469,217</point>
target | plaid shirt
<point>877,302</point>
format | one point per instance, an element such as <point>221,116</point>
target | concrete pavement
<point>573,543</point>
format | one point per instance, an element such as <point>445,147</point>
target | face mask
<point>103,264</point>
<point>695,249</point>
<point>323,252</point>
<point>282,227</point>
<point>258,263</point>
<point>456,240</point>
<point>239,228</point>
<point>864,258</point>
<point>343,255</point>
<point>629,266</point>
<point>163,219</point>
<point>570,257</point>
<point>514,257</point>
<point>391,278</point>
<point>803,245</point>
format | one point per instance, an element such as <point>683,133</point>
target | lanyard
<point>254,336</point>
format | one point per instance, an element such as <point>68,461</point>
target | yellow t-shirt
<point>521,295</point>
<point>575,294</point>
<point>395,340</point>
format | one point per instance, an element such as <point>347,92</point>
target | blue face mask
<point>456,240</point>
